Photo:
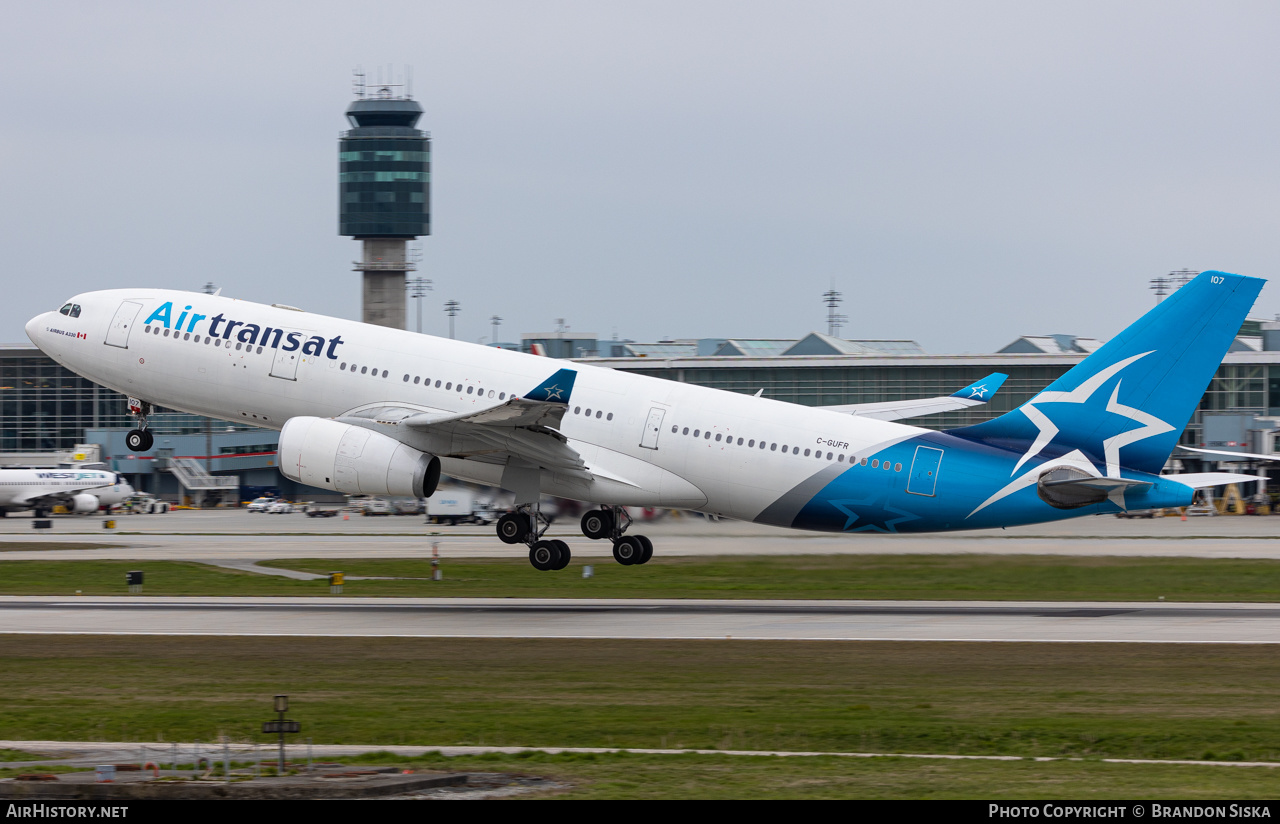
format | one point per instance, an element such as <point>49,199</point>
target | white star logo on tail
<point>1151,426</point>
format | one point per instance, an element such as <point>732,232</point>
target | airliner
<point>79,490</point>
<point>364,409</point>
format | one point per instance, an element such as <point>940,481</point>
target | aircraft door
<point>118,334</point>
<point>652,428</point>
<point>924,471</point>
<point>285,364</point>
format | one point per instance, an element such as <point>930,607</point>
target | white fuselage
<point>22,489</point>
<point>263,365</point>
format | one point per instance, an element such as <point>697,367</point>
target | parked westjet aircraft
<point>79,490</point>
<point>365,409</point>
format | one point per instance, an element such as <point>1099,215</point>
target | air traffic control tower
<point>384,186</point>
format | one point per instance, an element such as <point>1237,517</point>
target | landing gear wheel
<point>597,524</point>
<point>513,528</point>
<point>545,555</point>
<point>628,550</point>
<point>565,554</point>
<point>648,549</point>
<point>138,440</point>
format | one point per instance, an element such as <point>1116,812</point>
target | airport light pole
<point>418,288</point>
<point>451,309</point>
<point>495,321</point>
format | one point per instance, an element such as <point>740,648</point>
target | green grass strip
<point>1152,701</point>
<point>915,577</point>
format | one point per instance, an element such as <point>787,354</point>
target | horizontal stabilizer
<point>1202,480</point>
<point>975,394</point>
<point>1222,455</point>
<point>1108,484</point>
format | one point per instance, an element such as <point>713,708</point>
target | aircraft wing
<point>975,394</point>
<point>525,427</point>
<point>1230,456</point>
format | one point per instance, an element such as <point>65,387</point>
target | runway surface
<point>237,536</point>
<point>647,619</point>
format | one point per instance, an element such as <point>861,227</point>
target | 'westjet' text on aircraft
<point>365,409</point>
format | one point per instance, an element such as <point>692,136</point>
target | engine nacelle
<point>84,502</point>
<point>354,460</point>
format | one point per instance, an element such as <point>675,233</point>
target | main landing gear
<point>139,440</point>
<point>526,525</point>
<point>611,522</point>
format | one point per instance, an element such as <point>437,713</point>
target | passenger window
<point>416,379</point>
<point>751,443</point>
<point>686,431</point>
<point>717,437</point>
<point>384,373</point>
<point>598,413</point>
<point>675,429</point>
<point>470,389</point>
<point>364,370</point>
<point>609,417</point>
<point>806,453</point>
<point>774,448</point>
<point>697,432</point>
<point>577,410</point>
<point>897,467</point>
<point>406,377</point>
<point>874,464</point>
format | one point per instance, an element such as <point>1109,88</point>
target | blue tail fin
<point>1127,403</point>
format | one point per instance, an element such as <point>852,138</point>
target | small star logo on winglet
<point>979,391</point>
<point>553,392</point>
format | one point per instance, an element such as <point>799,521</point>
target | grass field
<point>1085,700</point>
<point>948,577</point>
<point>642,776</point>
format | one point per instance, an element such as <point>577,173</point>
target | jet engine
<point>354,460</point>
<point>84,502</point>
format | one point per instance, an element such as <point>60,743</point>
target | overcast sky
<point>963,172</point>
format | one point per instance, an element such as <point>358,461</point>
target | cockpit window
<point>66,310</point>
<point>75,310</point>
<point>70,310</point>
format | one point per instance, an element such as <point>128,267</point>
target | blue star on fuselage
<point>872,513</point>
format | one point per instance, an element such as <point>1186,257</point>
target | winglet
<point>555,389</point>
<point>982,390</point>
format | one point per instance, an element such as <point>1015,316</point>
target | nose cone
<point>34,327</point>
